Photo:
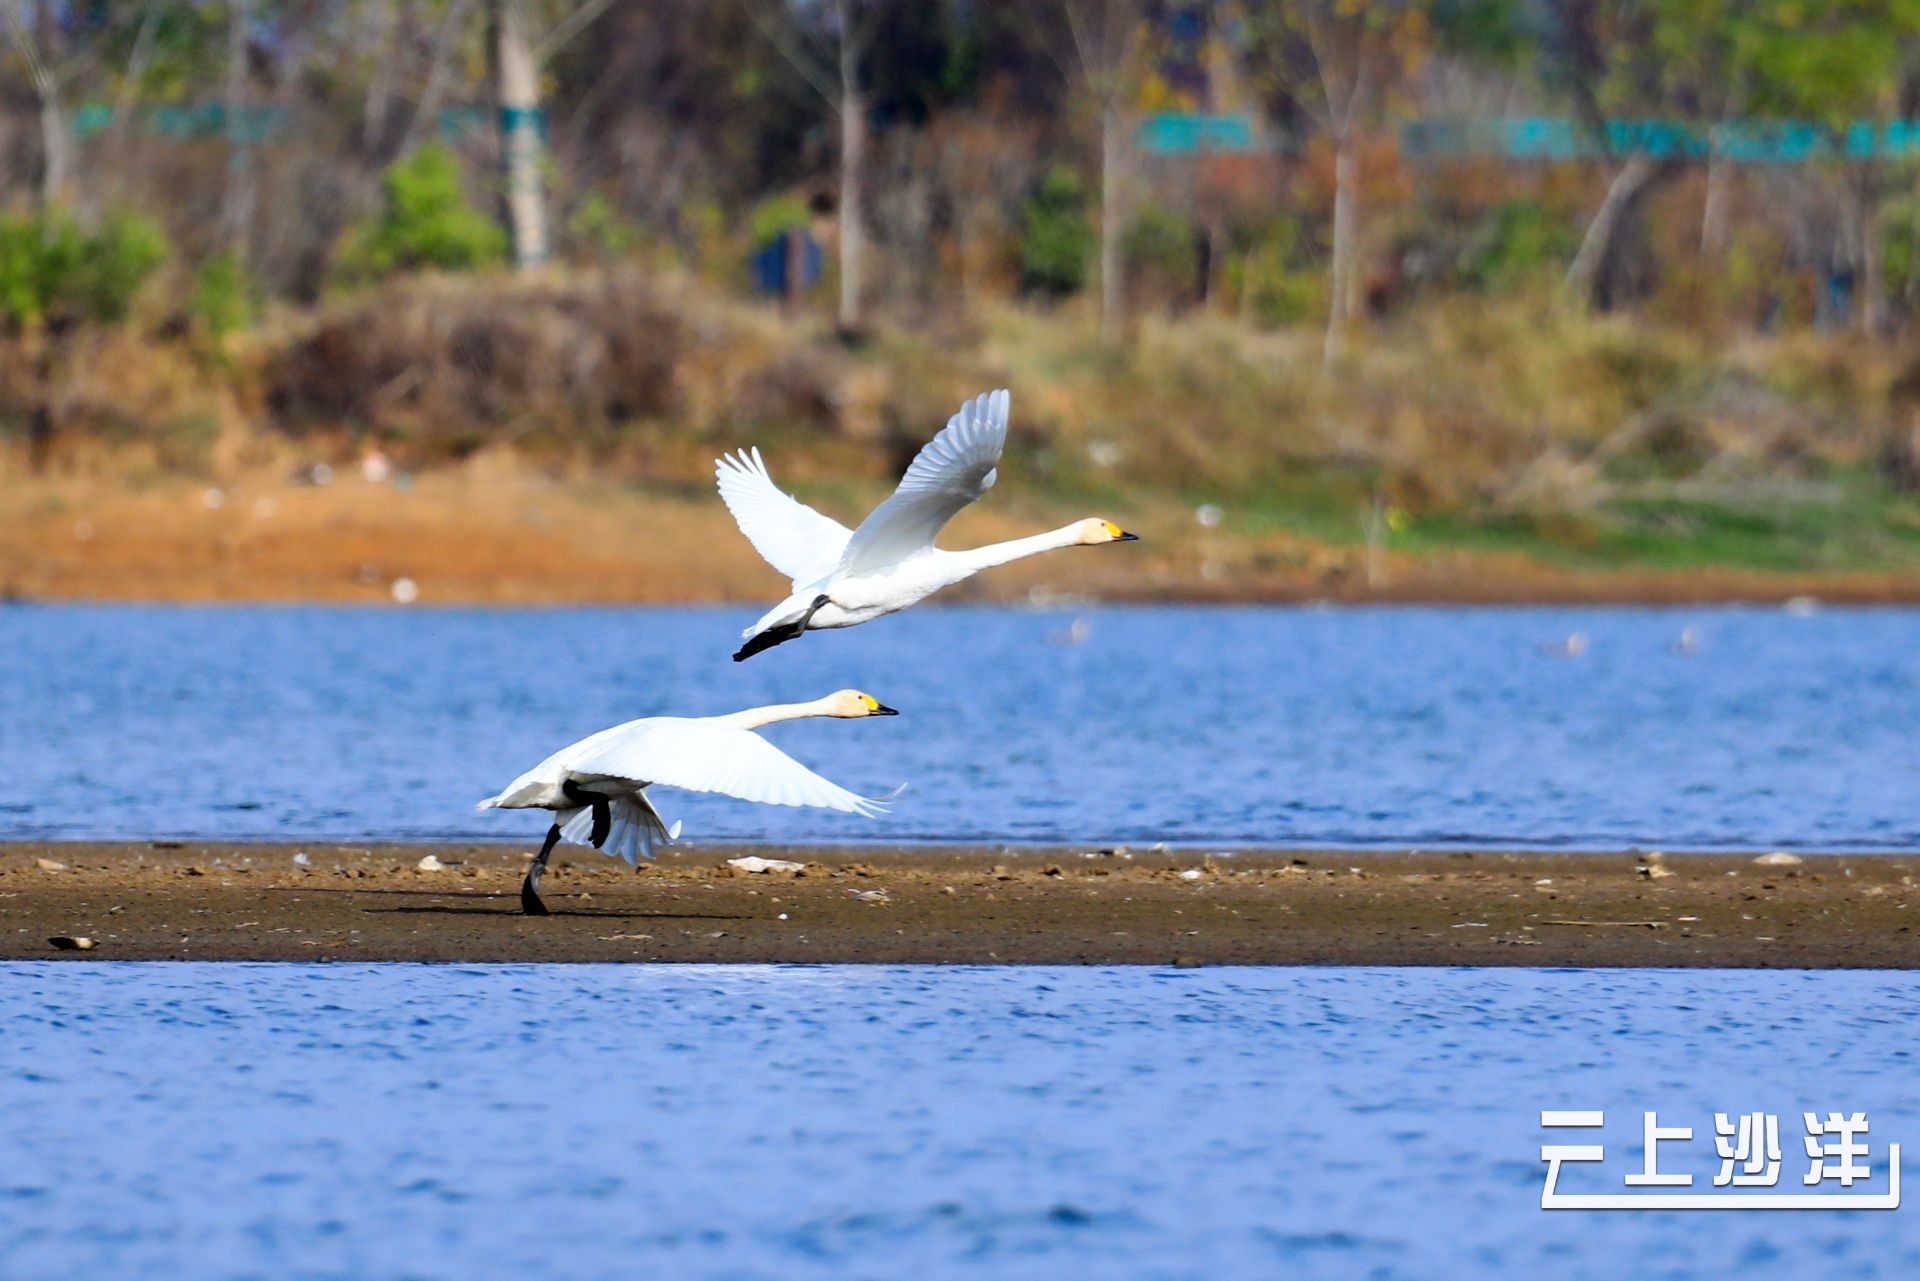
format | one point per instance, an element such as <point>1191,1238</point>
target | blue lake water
<point>1354,726</point>
<point>188,1120</point>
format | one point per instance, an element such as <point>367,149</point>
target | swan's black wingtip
<point>767,640</point>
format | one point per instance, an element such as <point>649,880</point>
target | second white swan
<point>597,787</point>
<point>844,577</point>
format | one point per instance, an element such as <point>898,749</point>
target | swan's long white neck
<point>755,717</point>
<point>992,554</point>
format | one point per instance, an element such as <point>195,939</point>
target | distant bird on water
<point>1574,645</point>
<point>597,787</point>
<point>843,577</point>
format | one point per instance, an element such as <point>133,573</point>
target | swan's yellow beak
<point>875,707</point>
<point>1120,535</point>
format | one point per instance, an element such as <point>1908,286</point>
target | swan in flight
<point>844,577</point>
<point>597,787</point>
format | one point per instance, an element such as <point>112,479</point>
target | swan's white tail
<point>635,829</point>
<point>789,611</point>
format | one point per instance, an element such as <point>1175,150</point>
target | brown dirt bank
<point>496,531</point>
<point>223,901</point>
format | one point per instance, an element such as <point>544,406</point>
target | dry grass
<point>1514,420</point>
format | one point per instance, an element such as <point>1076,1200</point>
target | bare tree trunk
<point>116,158</point>
<point>517,84</point>
<point>1113,284</point>
<point>853,160</point>
<point>236,207</point>
<point>1713,213</point>
<point>1630,184</point>
<point>38,47</point>
<point>56,144</point>
<point>1346,226</point>
<point>446,40</point>
<point>1872,317</point>
<point>379,37</point>
<point>793,275</point>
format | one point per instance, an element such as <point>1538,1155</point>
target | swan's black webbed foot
<point>530,903</point>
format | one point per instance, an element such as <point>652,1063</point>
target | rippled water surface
<point>176,1120</point>
<point>1344,726</point>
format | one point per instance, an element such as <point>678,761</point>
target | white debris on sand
<point>431,863</point>
<point>754,863</point>
<point>1779,858</point>
<point>49,865</point>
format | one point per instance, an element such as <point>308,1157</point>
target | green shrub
<point>425,221</point>
<point>1160,252</point>
<point>1900,251</point>
<point>53,271</point>
<point>1057,239</point>
<point>599,227</point>
<point>224,298</point>
<point>775,216</point>
<point>1521,240</point>
<point>1273,292</point>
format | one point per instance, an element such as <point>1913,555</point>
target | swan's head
<point>851,704</point>
<point>1094,531</point>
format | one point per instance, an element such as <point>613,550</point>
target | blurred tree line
<point>264,151</point>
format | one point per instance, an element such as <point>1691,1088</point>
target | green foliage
<point>1489,31</point>
<point>1273,292</point>
<point>53,271</point>
<point>1159,247</point>
<point>1900,251</point>
<point>224,298</point>
<point>597,224</point>
<point>1520,241</point>
<point>1057,239</point>
<point>776,216</point>
<point>425,221</point>
<point>1829,61</point>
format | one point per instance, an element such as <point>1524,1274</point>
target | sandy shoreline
<point>969,905</point>
<point>495,533</point>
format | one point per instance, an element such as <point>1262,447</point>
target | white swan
<point>597,787</point>
<point>844,577</point>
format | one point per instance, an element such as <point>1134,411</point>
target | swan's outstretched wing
<point>791,536</point>
<point>953,469</point>
<point>703,757</point>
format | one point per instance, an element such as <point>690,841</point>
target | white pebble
<point>754,863</point>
